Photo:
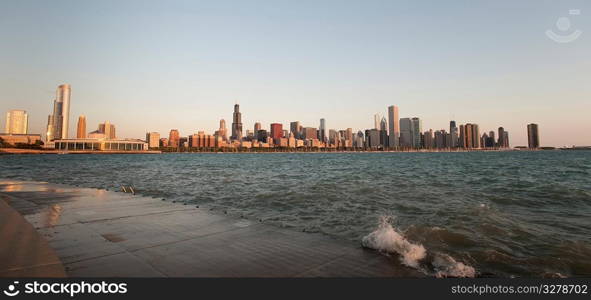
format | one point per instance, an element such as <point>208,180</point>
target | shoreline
<point>101,233</point>
<point>16,151</point>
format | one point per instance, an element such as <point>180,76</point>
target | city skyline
<point>306,65</point>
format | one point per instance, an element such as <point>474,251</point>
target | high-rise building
<point>310,133</point>
<point>296,129</point>
<point>468,136</point>
<point>108,130</point>
<point>394,133</point>
<point>81,128</point>
<point>276,131</point>
<point>453,132</point>
<point>428,139</point>
<point>384,140</point>
<point>506,139</point>
<point>153,139</point>
<point>322,131</point>
<point>417,128</point>
<point>475,136</point>
<point>237,123</point>
<point>173,138</point>
<point>17,122</point>
<point>533,136</point>
<point>223,130</point>
<point>501,141</point>
<point>57,123</point>
<point>349,135</point>
<point>406,130</point>
<point>376,121</point>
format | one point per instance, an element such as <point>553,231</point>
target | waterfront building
<point>262,136</point>
<point>81,128</point>
<point>100,145</point>
<point>153,139</point>
<point>501,141</point>
<point>533,136</point>
<point>14,138</point>
<point>296,129</point>
<point>394,130</point>
<point>376,120</point>
<point>506,139</point>
<point>468,136</point>
<point>417,127</point>
<point>322,131</point>
<point>173,138</point>
<point>108,130</point>
<point>17,122</point>
<point>349,135</point>
<point>406,132</point>
<point>372,138</point>
<point>58,122</point>
<point>332,137</point>
<point>237,123</point>
<point>276,131</point>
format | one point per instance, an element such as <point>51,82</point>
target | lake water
<point>513,213</point>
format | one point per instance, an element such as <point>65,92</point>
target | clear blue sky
<point>157,65</point>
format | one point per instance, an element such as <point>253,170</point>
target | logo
<point>563,24</point>
<point>12,291</point>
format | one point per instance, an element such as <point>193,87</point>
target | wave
<point>385,238</point>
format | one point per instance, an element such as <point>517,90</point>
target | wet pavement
<point>99,233</point>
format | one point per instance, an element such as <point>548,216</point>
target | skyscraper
<point>296,129</point>
<point>223,130</point>
<point>237,123</point>
<point>406,130</point>
<point>17,122</point>
<point>173,138</point>
<point>453,131</point>
<point>533,136</point>
<point>384,141</point>
<point>394,133</point>
<point>57,123</point>
<point>81,128</point>
<point>417,128</point>
<point>501,142</point>
<point>376,121</point>
<point>475,136</point>
<point>276,131</point>
<point>153,139</point>
<point>322,130</point>
<point>310,133</point>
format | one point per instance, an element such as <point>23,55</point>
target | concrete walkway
<point>101,233</point>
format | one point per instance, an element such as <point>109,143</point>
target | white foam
<point>447,266</point>
<point>386,238</point>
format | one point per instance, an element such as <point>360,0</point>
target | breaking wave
<point>385,238</point>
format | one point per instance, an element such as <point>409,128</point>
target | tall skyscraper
<point>17,122</point>
<point>453,131</point>
<point>237,123</point>
<point>533,136</point>
<point>469,143</point>
<point>394,134</point>
<point>173,138</point>
<point>406,130</point>
<point>310,133</point>
<point>81,128</point>
<point>276,131</point>
<point>322,130</point>
<point>417,128</point>
<point>58,122</point>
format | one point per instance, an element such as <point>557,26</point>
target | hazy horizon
<point>155,66</point>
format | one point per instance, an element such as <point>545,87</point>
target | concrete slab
<point>103,233</point>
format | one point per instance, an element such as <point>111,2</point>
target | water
<point>447,214</point>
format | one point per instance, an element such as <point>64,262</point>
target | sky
<point>158,65</point>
